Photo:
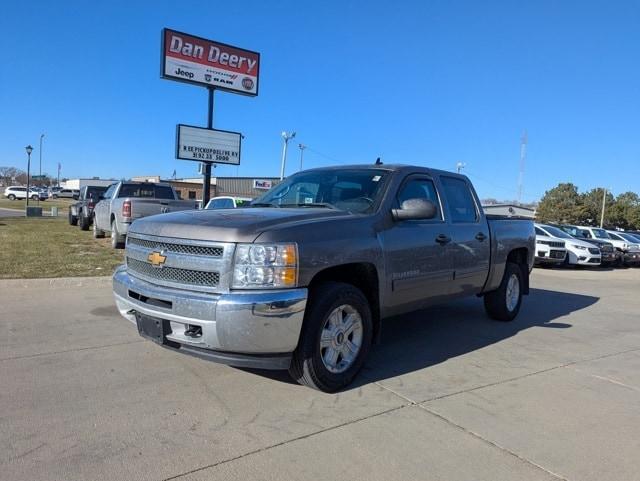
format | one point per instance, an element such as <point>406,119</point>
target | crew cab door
<point>101,210</point>
<point>470,239</point>
<point>416,261</point>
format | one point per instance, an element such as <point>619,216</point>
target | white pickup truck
<point>125,202</point>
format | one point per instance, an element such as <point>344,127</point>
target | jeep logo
<point>183,73</point>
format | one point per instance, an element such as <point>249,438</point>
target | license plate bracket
<point>153,328</point>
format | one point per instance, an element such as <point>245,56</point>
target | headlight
<point>263,266</point>
<point>579,247</point>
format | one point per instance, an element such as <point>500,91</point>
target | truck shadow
<point>425,338</point>
<point>428,337</point>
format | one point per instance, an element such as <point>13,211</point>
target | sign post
<point>216,66</point>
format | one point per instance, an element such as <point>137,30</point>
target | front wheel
<point>117,242</point>
<point>12,197</point>
<point>335,339</point>
<point>73,220</point>
<point>84,221</point>
<point>503,304</point>
<point>97,233</point>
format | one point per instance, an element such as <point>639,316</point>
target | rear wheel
<point>335,339</point>
<point>117,241</point>
<point>503,304</point>
<point>73,220</point>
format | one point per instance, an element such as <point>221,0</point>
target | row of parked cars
<point>111,210</point>
<point>586,245</point>
<point>17,192</point>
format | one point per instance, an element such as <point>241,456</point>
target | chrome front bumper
<point>250,329</point>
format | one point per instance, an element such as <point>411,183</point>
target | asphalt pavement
<point>11,212</point>
<point>448,395</point>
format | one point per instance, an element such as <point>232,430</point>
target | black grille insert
<point>209,251</point>
<point>174,274</point>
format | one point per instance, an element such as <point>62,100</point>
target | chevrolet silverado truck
<point>81,213</point>
<point>126,201</point>
<point>302,278</point>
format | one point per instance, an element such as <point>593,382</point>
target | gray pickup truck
<point>302,279</point>
<point>81,213</point>
<point>126,201</point>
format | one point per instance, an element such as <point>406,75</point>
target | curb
<point>58,282</point>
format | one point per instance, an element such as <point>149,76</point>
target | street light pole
<point>40,172</point>
<point>286,137</point>
<point>302,147</point>
<point>604,200</point>
<point>29,149</point>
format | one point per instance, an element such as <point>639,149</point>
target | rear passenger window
<point>420,189</point>
<point>461,203</point>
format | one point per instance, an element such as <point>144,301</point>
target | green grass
<point>50,247</point>
<point>61,204</point>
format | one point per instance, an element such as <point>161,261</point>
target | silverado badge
<point>156,259</point>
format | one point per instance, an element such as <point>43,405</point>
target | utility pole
<point>29,149</point>
<point>302,147</point>
<point>460,166</point>
<point>604,201</point>
<point>523,158</point>
<point>286,137</point>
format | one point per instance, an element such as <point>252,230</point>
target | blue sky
<point>424,82</point>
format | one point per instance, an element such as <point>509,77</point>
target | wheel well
<point>362,275</point>
<point>520,257</point>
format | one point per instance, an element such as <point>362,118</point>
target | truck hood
<point>229,225</point>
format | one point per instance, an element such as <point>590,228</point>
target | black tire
<point>12,197</point>
<point>117,242</point>
<point>495,302</point>
<point>83,221</point>
<point>55,196</point>
<point>73,220</point>
<point>34,197</point>
<point>97,233</point>
<point>307,366</point>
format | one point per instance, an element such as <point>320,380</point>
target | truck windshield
<point>353,190</point>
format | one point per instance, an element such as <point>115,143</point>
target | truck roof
<point>392,168</point>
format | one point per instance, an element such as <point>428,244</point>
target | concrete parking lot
<point>448,395</point>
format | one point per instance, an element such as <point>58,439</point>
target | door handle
<point>480,236</point>
<point>443,239</point>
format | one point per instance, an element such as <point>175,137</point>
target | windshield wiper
<point>263,204</point>
<point>311,204</point>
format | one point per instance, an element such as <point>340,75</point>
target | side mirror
<point>415,209</point>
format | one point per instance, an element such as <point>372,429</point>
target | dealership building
<point>240,187</point>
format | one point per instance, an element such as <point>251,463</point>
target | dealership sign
<point>262,184</point>
<point>207,145</point>
<point>208,63</point>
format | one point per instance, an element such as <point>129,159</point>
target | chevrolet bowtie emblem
<point>156,259</point>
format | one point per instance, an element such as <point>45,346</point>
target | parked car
<point>549,250</point>
<point>629,246</point>
<point>81,213</point>
<point>66,194</point>
<point>301,279</point>
<point>18,192</point>
<point>124,202</point>
<point>221,202</point>
<point>609,255</point>
<point>579,252</point>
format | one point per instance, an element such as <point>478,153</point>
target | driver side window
<point>420,189</point>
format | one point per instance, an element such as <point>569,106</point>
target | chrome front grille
<point>172,274</point>
<point>196,250</point>
<point>197,265</point>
